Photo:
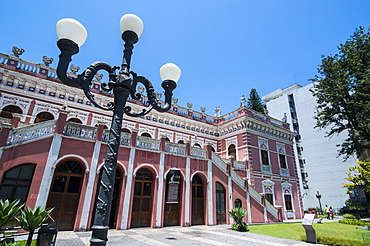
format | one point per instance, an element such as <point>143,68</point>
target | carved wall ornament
<point>203,109</point>
<point>190,105</point>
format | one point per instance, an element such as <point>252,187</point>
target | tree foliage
<point>359,178</point>
<point>342,90</point>
<point>255,101</point>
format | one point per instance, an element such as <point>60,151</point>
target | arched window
<point>237,203</point>
<point>76,120</point>
<point>232,151</point>
<point>125,130</point>
<point>181,142</point>
<point>145,134</point>
<point>167,139</point>
<point>7,111</point>
<point>43,116</point>
<point>16,183</point>
<point>197,145</point>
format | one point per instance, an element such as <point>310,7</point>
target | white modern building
<point>317,156</point>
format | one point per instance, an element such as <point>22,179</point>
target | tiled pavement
<point>195,235</point>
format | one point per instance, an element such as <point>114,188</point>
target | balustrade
<point>174,148</point>
<point>266,169</point>
<point>148,143</point>
<point>254,194</point>
<point>197,152</point>
<point>34,131</point>
<point>219,162</point>
<point>80,131</point>
<point>239,180</point>
<point>239,165</point>
<point>271,209</point>
<point>284,172</point>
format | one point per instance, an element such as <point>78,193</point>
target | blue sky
<point>224,48</point>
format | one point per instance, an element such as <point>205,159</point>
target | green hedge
<point>335,241</point>
<point>354,222</point>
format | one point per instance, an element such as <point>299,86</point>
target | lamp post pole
<point>71,35</point>
<point>318,196</point>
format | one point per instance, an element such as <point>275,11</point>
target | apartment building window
<point>264,157</point>
<point>282,161</point>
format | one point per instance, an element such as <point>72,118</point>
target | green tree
<point>255,101</point>
<point>358,177</point>
<point>342,90</point>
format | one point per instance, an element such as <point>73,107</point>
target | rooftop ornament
<point>122,82</point>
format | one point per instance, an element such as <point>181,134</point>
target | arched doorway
<point>220,204</point>
<point>197,207</point>
<point>173,200</point>
<point>142,203</point>
<point>7,111</point>
<point>65,194</point>
<point>115,200</point>
<point>43,116</point>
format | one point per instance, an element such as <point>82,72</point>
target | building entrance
<point>172,203</point>
<point>220,204</point>
<point>197,210</point>
<point>65,194</point>
<point>142,203</point>
<point>115,199</point>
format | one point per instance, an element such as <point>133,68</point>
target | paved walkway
<point>176,235</point>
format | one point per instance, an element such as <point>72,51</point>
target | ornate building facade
<point>182,167</point>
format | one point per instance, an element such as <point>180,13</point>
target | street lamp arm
<point>167,85</point>
<point>68,48</point>
<point>87,77</point>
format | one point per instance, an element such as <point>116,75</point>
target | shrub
<point>349,216</point>
<point>238,214</point>
<point>336,241</point>
<point>354,222</point>
<point>8,211</point>
<point>243,227</point>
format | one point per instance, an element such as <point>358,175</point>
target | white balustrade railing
<point>237,179</point>
<point>284,172</point>
<point>148,143</point>
<point>5,120</point>
<point>105,136</point>
<point>125,138</point>
<point>271,209</point>
<point>197,152</point>
<point>34,131</point>
<point>219,162</point>
<point>79,131</point>
<point>239,165</point>
<point>254,194</point>
<point>175,148</point>
<point>266,169</point>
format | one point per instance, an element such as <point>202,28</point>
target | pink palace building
<point>182,167</point>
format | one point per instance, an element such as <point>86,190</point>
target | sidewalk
<point>176,235</point>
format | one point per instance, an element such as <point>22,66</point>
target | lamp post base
<point>99,235</point>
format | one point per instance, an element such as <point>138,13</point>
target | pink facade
<point>176,168</point>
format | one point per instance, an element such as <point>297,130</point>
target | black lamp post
<point>71,35</point>
<point>318,196</point>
